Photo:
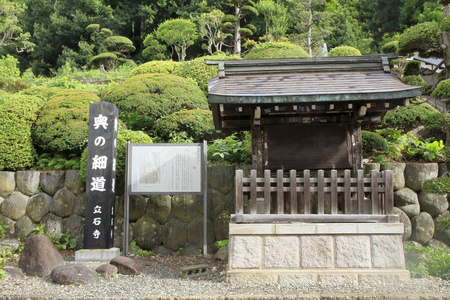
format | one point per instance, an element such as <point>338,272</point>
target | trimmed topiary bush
<point>123,135</point>
<point>17,116</point>
<point>412,67</point>
<point>423,37</point>
<point>42,92</point>
<point>62,125</point>
<point>445,25</point>
<point>195,124</point>
<point>344,51</point>
<point>198,71</point>
<point>442,90</point>
<point>373,143</point>
<point>12,85</point>
<point>107,59</point>
<point>145,98</point>
<point>276,50</point>
<point>415,80</point>
<point>391,47</point>
<point>155,66</point>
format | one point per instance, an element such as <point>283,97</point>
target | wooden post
<point>257,143</point>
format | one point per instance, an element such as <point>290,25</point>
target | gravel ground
<point>161,280</point>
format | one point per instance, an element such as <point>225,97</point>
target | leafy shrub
<point>230,151</point>
<point>62,241</point>
<point>440,186</point>
<point>156,66</point>
<point>49,161</point>
<point>107,59</point>
<point>198,71</point>
<point>123,136</point>
<point>373,143</point>
<point>197,124</point>
<point>145,98</point>
<point>17,116</point>
<point>444,223</point>
<point>391,47</point>
<point>415,80</point>
<point>445,24</point>
<point>3,92</point>
<point>42,92</point>
<point>436,262</point>
<point>276,50</point>
<point>408,117</point>
<point>12,85</point>
<point>8,66</point>
<point>412,67</point>
<point>2,230</point>
<point>62,125</point>
<point>344,51</point>
<point>442,90</point>
<point>423,37</point>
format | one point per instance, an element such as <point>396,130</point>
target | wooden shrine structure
<point>305,113</point>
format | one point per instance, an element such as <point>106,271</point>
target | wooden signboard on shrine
<point>100,176</point>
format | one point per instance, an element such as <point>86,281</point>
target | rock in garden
<point>106,270</point>
<point>163,251</point>
<point>8,245</point>
<point>126,265</point>
<point>38,206</point>
<point>190,250</point>
<point>195,232</point>
<point>407,200</point>
<point>73,182</point>
<point>39,256</point>
<point>416,174</point>
<point>437,244</point>
<point>221,226</point>
<point>14,273</point>
<point>406,222</point>
<point>222,254</point>
<point>221,178</point>
<point>63,203</point>
<point>422,228</point>
<point>15,206</point>
<point>7,183</point>
<point>138,203</point>
<point>398,173</point>
<point>159,207</point>
<point>174,234</point>
<point>148,233</point>
<point>186,207</point>
<point>27,181</point>
<point>52,181</point>
<point>433,204</point>
<point>75,274</point>
<point>23,226</point>
<point>440,233</point>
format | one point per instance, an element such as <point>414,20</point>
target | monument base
<point>96,254</point>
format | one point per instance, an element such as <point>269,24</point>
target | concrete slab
<point>96,254</point>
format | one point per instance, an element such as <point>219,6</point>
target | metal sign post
<point>165,169</point>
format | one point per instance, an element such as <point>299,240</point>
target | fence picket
<point>293,187</point>
<point>347,193</point>
<point>253,193</point>
<point>306,191</point>
<point>360,193</point>
<point>334,193</point>
<point>320,193</point>
<point>267,196</point>
<point>374,192</point>
<point>239,188</point>
<point>280,193</point>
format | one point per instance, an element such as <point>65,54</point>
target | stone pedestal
<point>97,254</point>
<point>304,253</point>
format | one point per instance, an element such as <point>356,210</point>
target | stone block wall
<point>332,253</point>
<point>161,223</point>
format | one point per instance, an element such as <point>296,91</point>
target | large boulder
<point>52,181</point>
<point>53,224</point>
<point>73,274</point>
<point>7,183</point>
<point>147,233</point>
<point>186,207</point>
<point>73,182</point>
<point>63,203</point>
<point>433,204</point>
<point>216,203</point>
<point>195,232</point>
<point>15,206</point>
<point>138,203</point>
<point>398,170</point>
<point>416,174</point>
<point>221,178</point>
<point>9,226</point>
<point>80,205</point>
<point>27,181</point>
<point>159,207</point>
<point>174,234</point>
<point>422,228</point>
<point>407,200</point>
<point>23,226</point>
<point>39,256</point>
<point>74,225</point>
<point>38,206</point>
<point>221,226</point>
<point>406,222</point>
<point>442,234</point>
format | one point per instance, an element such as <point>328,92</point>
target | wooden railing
<point>330,198</point>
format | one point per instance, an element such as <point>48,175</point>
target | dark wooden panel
<point>307,147</point>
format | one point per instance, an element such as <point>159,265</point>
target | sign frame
<point>202,165</point>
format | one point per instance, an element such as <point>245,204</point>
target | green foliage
<point>276,50</point>
<point>230,151</point>
<point>145,98</point>
<point>423,37</point>
<point>50,161</point>
<point>120,44</point>
<point>415,80</point>
<point>62,241</point>
<point>196,124</point>
<point>17,116</point>
<point>442,90</point>
<point>221,244</point>
<point>156,66</point>
<point>123,135</point>
<point>12,85</point>
<point>391,47</point>
<point>408,117</point>
<point>440,186</point>
<point>344,51</point>
<point>435,262</point>
<point>107,59</point>
<point>42,92</point>
<point>62,125</point>
<point>412,67</point>
<point>2,230</point>
<point>444,223</point>
<point>445,25</point>
<point>198,71</point>
<point>9,67</point>
<point>373,143</point>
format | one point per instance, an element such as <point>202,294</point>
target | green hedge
<point>155,66</point>
<point>442,90</point>
<point>412,67</point>
<point>408,117</point>
<point>344,51</point>
<point>195,124</point>
<point>415,80</point>
<point>276,50</point>
<point>391,47</point>
<point>145,98</point>
<point>17,116</point>
<point>63,124</point>
<point>373,143</point>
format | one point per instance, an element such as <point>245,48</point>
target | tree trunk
<point>237,34</point>
<point>310,26</point>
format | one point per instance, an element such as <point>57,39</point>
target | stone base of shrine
<point>97,254</point>
<point>347,253</point>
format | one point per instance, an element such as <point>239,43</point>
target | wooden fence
<point>330,198</point>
